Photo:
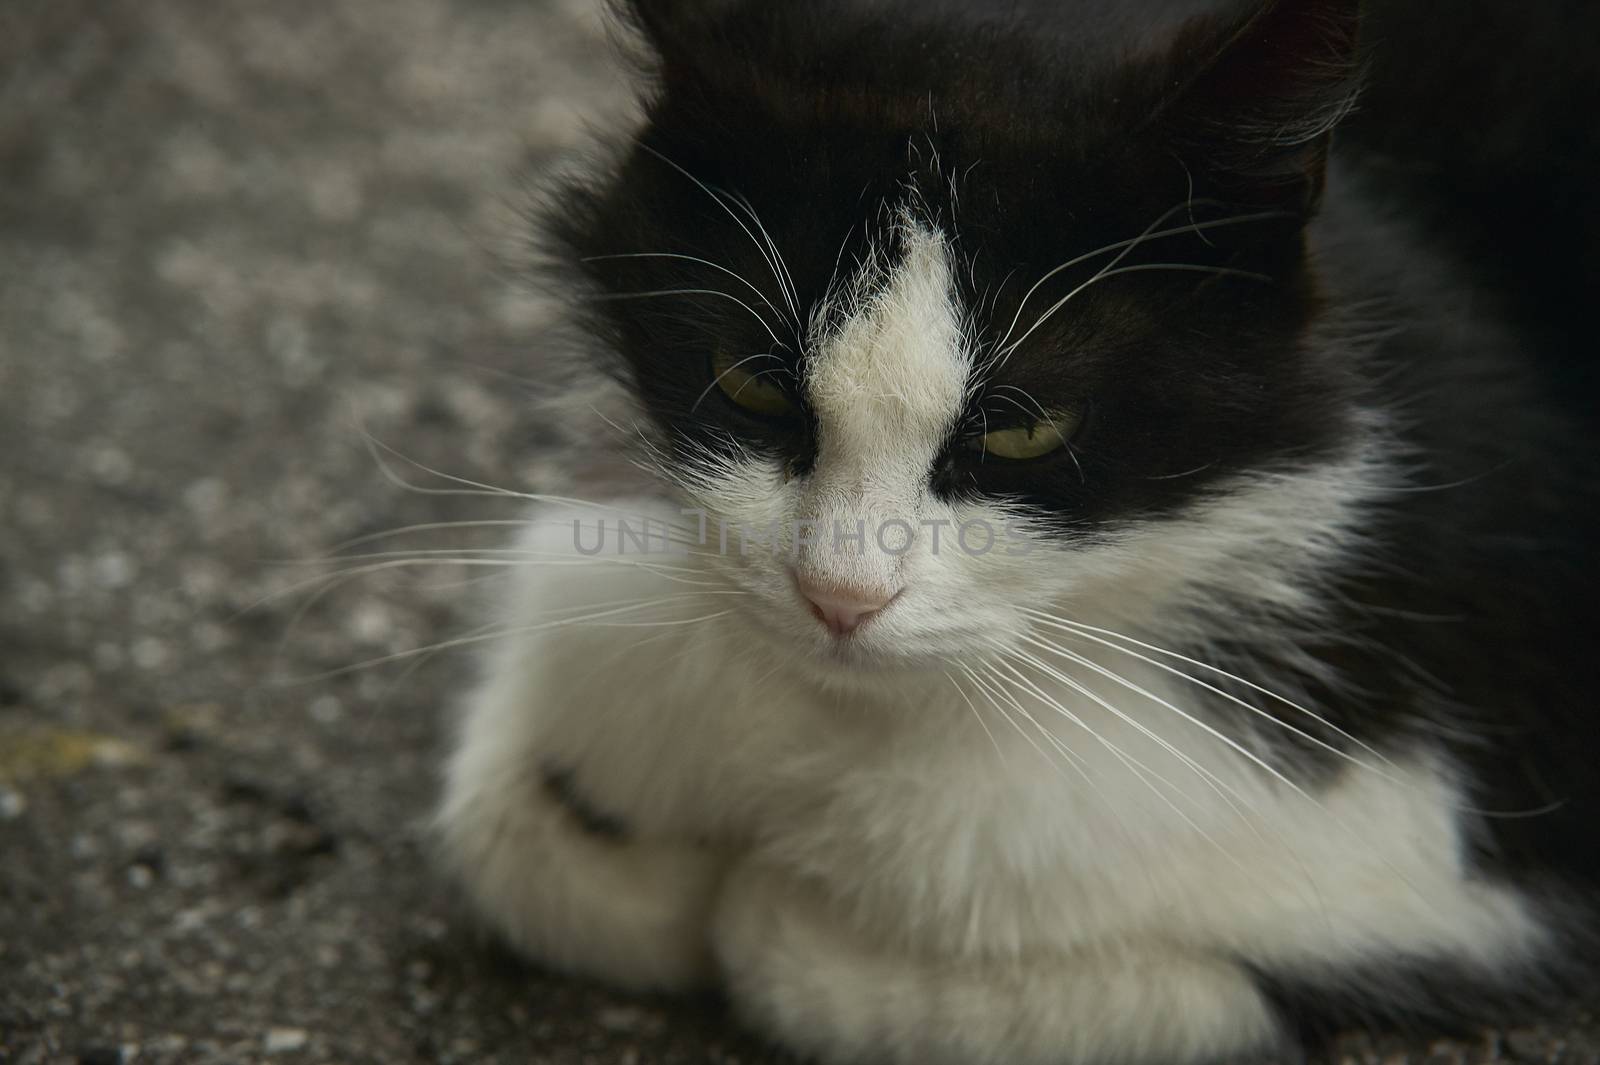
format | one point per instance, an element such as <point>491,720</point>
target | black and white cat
<point>1113,593</point>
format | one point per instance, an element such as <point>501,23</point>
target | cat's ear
<point>676,31</point>
<point>1255,99</point>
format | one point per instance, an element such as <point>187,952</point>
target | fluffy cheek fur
<point>963,572</point>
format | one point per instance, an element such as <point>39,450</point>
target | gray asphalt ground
<point>232,234</point>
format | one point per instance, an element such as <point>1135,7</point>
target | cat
<point>1114,581</point>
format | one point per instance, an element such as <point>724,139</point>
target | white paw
<point>798,972</point>
<point>633,914</point>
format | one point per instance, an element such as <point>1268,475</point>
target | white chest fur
<point>1000,814</point>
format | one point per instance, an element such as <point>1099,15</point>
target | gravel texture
<point>233,236</point>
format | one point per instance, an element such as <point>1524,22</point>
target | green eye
<point>748,381</point>
<point>1031,441</point>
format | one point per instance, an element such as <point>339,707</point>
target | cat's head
<point>983,317</point>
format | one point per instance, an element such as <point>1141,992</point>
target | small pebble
<point>150,653</point>
<point>326,710</point>
<point>285,1040</point>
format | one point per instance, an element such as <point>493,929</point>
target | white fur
<point>890,857</point>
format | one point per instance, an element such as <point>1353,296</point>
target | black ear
<point>1255,100</point>
<point>677,31</point>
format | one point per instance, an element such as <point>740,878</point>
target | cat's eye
<point>1034,440</point>
<point>749,381</point>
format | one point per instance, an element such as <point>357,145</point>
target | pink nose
<point>842,609</point>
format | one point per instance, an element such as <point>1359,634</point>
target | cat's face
<point>928,361</point>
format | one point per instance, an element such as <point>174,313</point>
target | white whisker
<point>452,560</point>
<point>1129,762</point>
<point>1088,632</point>
<point>615,297</point>
<point>976,714</point>
<point>717,380</point>
<point>1107,272</point>
<point>692,259</point>
<point>774,265</point>
<point>524,630</point>
<point>1072,757</point>
<point>1127,245</point>
<point>785,278</point>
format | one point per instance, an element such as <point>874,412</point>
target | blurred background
<point>234,237</point>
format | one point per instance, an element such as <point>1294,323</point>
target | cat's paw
<point>799,972</point>
<point>579,895</point>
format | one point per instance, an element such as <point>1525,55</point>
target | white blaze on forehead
<point>887,383</point>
